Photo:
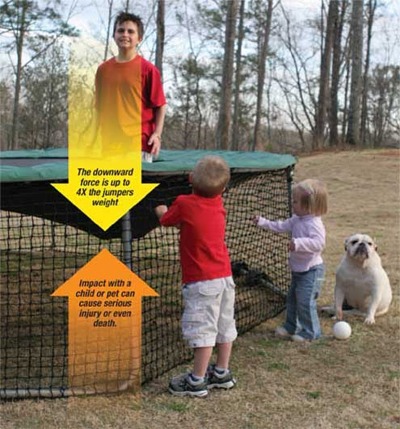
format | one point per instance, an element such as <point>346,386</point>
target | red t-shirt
<point>127,95</point>
<point>204,255</point>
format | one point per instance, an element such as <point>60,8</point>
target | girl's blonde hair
<point>210,176</point>
<point>313,196</point>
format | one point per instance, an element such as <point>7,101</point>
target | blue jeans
<point>301,303</point>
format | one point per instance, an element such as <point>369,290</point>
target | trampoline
<point>45,239</point>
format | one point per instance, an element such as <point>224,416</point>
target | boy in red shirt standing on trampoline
<point>130,100</point>
<point>208,288</point>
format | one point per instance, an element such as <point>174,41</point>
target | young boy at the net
<point>208,288</point>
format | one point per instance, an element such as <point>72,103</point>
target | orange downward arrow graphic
<point>104,325</point>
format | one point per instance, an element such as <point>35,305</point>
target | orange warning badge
<point>104,324</point>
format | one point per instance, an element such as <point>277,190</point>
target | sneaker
<point>298,339</point>
<point>221,382</point>
<point>280,331</point>
<point>183,386</point>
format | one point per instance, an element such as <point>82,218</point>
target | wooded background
<point>238,74</point>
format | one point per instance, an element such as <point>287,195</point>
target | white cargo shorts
<point>208,316</point>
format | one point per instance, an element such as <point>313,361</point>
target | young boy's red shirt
<point>204,254</point>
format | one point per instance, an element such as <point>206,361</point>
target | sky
<point>91,19</point>
<point>90,15</point>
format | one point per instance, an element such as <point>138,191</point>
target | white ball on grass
<point>341,330</point>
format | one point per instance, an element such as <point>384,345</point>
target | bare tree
<point>297,84</point>
<point>293,111</point>
<point>160,34</point>
<point>109,19</point>
<point>371,9</point>
<point>19,27</point>
<point>44,111</point>
<point>20,19</point>
<point>264,33</point>
<point>353,128</point>
<point>238,79</point>
<point>346,89</point>
<point>335,78</point>
<point>6,104</point>
<point>224,117</point>
<point>188,99</point>
<point>323,98</point>
<point>384,101</point>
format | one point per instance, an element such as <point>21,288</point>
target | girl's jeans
<point>301,303</point>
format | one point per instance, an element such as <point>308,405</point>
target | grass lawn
<point>325,384</point>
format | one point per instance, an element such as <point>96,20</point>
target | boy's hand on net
<point>255,220</point>
<point>160,210</point>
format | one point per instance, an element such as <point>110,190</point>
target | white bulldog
<point>361,281</point>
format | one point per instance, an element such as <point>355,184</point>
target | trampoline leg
<point>127,240</point>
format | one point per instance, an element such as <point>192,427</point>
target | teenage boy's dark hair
<point>125,16</point>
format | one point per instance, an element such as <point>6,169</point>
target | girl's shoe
<point>281,332</point>
<point>298,339</point>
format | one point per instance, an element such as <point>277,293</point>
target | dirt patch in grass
<point>327,384</point>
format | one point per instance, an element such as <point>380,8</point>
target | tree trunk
<point>353,130</point>
<point>372,4</point>
<point>160,34</point>
<point>257,144</point>
<point>236,107</point>
<point>17,89</point>
<point>224,117</point>
<point>109,19</point>
<point>335,79</point>
<point>323,98</point>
